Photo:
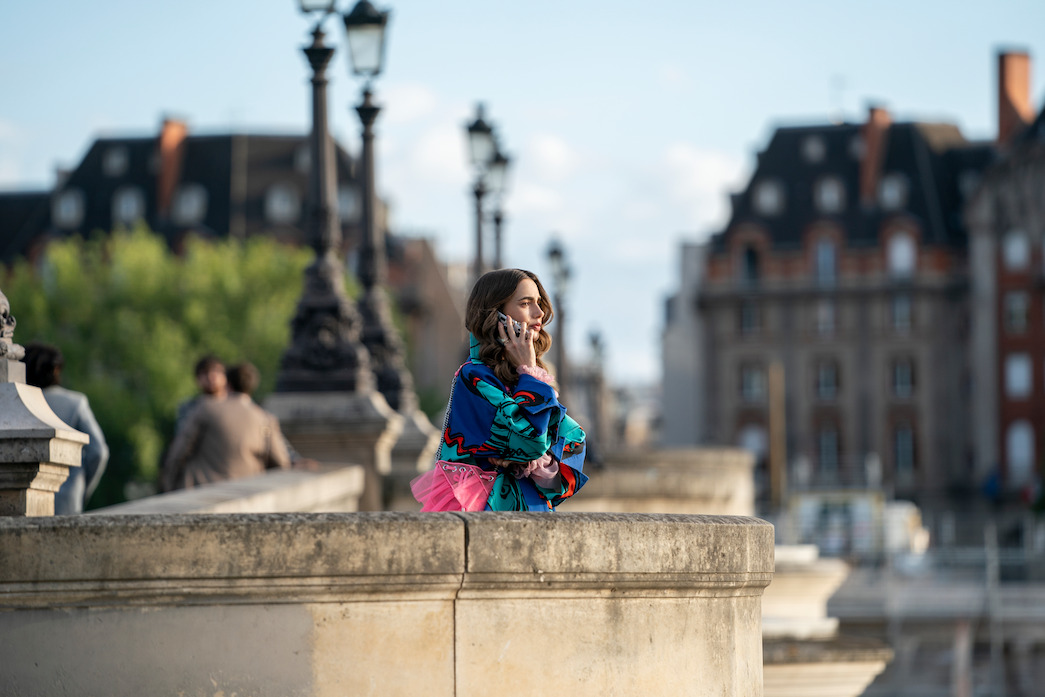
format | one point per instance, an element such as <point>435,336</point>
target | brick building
<point>840,290</point>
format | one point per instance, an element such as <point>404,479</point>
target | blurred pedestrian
<point>224,436</point>
<point>43,368</point>
<point>244,378</point>
<point>211,381</point>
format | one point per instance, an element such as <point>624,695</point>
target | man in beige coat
<point>224,438</point>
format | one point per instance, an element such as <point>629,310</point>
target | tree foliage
<point>132,318</point>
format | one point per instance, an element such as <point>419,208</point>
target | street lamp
<point>561,273</point>
<point>365,29</point>
<point>325,353</point>
<point>482,147</point>
<point>497,179</point>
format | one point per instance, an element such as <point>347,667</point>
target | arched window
<point>902,255</point>
<point>769,197</point>
<point>282,204</point>
<point>1019,446</point>
<point>190,204</point>
<point>829,195</point>
<point>750,265</point>
<point>826,262</point>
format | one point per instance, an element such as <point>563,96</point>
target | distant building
<point>845,265</point>
<point>230,186</point>
<point>1007,267</point>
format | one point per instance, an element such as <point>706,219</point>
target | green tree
<point>132,318</point>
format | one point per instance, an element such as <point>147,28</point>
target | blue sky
<point>629,123</point>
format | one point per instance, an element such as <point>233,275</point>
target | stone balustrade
<point>383,603</point>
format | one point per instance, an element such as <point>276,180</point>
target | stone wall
<point>383,603</point>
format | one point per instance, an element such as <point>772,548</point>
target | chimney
<point>172,152</point>
<point>1014,107</point>
<point>875,135</point>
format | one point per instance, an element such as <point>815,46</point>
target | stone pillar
<point>36,447</point>
<point>343,428</point>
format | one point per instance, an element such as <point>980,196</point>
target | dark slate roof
<point>1035,133</point>
<point>235,170</point>
<point>22,213</point>
<point>933,158</point>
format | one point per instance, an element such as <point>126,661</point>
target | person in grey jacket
<point>43,368</point>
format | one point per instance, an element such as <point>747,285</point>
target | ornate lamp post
<point>481,147</point>
<point>325,354</point>
<point>561,273</point>
<point>497,178</point>
<point>365,27</point>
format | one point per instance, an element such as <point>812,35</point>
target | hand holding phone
<point>517,326</point>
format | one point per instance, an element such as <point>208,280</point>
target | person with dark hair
<point>507,442</point>
<point>244,378</point>
<point>211,381</point>
<point>43,369</point>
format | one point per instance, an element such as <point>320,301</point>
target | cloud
<point>551,157</point>
<point>700,181</point>
<point>409,103</point>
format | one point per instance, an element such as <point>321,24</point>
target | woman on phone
<point>507,443</point>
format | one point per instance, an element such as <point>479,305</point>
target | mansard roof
<point>235,170</point>
<point>934,162</point>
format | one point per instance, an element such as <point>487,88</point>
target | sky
<point>628,124</point>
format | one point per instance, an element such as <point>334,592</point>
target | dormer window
<point>813,149</point>
<point>67,209</point>
<point>829,195</point>
<point>128,205</point>
<point>190,205</point>
<point>1016,250</point>
<point>769,197</point>
<point>282,204</point>
<point>115,161</point>
<point>892,192</point>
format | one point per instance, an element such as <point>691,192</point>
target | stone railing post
<point>36,447</point>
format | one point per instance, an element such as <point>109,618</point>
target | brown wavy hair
<point>488,296</point>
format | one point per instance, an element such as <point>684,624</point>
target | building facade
<point>875,300</point>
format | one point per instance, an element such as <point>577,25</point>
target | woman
<point>507,443</point>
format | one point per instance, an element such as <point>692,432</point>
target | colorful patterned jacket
<point>487,420</point>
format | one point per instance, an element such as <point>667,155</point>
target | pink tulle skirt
<point>452,486</point>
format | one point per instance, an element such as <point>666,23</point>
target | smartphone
<point>517,326</point>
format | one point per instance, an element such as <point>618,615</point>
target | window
<point>190,204</point>
<point>813,149</point>
<point>769,197</point>
<point>826,263</point>
<point>114,161</point>
<point>903,378</point>
<point>902,255</point>
<point>749,265</point>
<point>900,313</point>
<point>750,319</point>
<point>825,317</point>
<point>903,450</point>
<point>892,192</point>
<point>1019,448</point>
<point>829,195</point>
<point>1016,306</point>
<point>1015,250</point>
<point>128,205</point>
<point>752,383</point>
<point>826,380</point>
<point>282,204</point>
<point>349,204</point>
<point>1017,376</point>
<point>67,209</point>
<point>827,449</point>
<point>303,159</point>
